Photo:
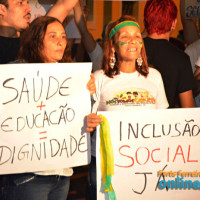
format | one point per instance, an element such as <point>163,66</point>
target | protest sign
<point>156,154</point>
<point>192,8</point>
<point>42,122</point>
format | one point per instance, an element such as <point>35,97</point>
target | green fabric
<point>107,182</point>
<point>121,25</point>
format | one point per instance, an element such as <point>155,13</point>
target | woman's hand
<point>91,85</point>
<point>93,120</point>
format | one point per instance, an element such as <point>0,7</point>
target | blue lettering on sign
<point>193,11</point>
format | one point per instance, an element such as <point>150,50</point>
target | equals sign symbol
<point>42,138</point>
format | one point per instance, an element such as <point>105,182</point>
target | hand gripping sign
<point>155,154</point>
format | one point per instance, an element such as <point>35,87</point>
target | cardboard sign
<point>156,154</point>
<point>42,122</point>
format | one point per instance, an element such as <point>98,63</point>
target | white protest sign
<point>192,8</point>
<point>146,143</point>
<point>42,122</point>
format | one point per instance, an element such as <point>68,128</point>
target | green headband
<point>121,25</point>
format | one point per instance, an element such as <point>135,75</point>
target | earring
<point>140,61</point>
<point>112,61</point>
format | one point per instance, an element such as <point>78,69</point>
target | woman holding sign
<point>126,81</point>
<point>44,41</point>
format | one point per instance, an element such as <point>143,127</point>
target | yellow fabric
<point>107,156</point>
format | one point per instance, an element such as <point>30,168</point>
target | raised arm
<point>94,50</point>
<point>61,9</point>
<point>189,27</point>
<point>87,38</point>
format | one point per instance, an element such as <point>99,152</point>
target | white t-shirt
<point>60,172</point>
<point>128,91</point>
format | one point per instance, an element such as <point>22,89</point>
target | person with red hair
<point>160,18</point>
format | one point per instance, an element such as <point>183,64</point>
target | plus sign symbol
<point>41,106</point>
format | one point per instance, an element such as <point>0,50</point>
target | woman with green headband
<point>126,82</point>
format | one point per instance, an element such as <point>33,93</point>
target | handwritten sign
<point>155,154</point>
<point>43,109</point>
<point>192,8</point>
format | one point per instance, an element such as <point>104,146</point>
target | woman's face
<point>54,43</point>
<point>128,43</point>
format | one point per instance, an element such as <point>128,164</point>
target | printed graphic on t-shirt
<point>132,97</point>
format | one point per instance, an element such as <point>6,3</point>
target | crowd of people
<point>148,71</point>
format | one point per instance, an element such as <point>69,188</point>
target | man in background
<point>15,17</point>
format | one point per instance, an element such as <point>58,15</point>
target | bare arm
<point>186,99</point>
<point>61,9</point>
<point>189,27</point>
<point>87,38</point>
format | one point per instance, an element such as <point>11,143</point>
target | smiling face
<point>54,43</point>
<point>128,43</point>
<point>17,15</point>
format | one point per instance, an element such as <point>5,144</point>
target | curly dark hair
<point>143,70</point>
<point>31,42</point>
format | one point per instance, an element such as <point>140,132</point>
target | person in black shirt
<point>160,19</point>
